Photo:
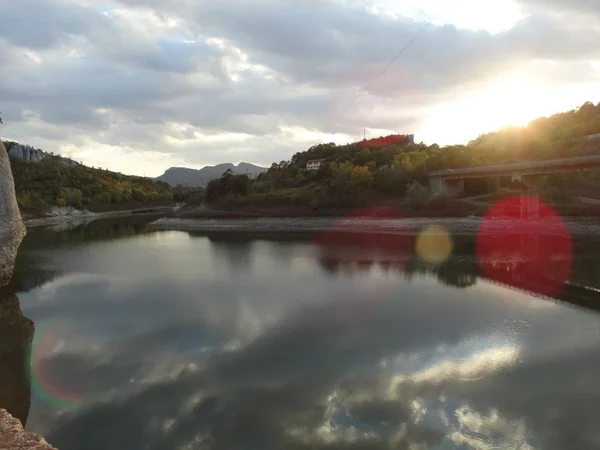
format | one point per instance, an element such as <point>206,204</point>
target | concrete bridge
<point>452,181</point>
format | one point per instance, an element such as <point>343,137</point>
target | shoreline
<point>89,216</point>
<point>588,227</point>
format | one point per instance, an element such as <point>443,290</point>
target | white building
<point>314,164</point>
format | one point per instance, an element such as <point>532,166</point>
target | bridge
<point>452,181</point>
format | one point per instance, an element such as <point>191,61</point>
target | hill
<point>44,180</point>
<point>199,178</point>
<point>394,168</point>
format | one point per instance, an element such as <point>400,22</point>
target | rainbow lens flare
<point>44,383</point>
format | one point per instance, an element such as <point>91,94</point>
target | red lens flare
<point>364,238</point>
<point>524,243</point>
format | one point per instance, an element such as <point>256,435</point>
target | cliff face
<point>16,331</point>
<point>12,229</point>
<point>16,335</point>
<point>29,154</point>
<point>25,152</point>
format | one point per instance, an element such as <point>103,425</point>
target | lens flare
<point>434,245</point>
<point>364,238</point>
<point>44,383</point>
<point>359,242</point>
<point>524,243</point>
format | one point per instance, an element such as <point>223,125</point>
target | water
<point>175,340</point>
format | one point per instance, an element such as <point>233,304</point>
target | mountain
<point>200,178</point>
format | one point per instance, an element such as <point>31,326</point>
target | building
<point>314,164</point>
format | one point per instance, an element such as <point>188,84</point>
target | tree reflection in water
<point>460,270</point>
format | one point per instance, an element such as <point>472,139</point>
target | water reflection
<point>16,335</point>
<point>302,345</point>
<point>462,269</point>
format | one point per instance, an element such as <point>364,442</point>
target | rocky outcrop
<point>16,331</point>
<point>30,154</point>
<point>12,229</point>
<point>16,336</point>
<point>13,437</point>
<point>25,152</point>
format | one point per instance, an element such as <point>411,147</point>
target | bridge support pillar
<point>437,185</point>
<point>442,186</point>
<point>530,206</point>
<point>455,187</point>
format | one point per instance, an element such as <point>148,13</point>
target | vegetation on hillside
<point>47,183</point>
<point>393,167</point>
<point>385,169</point>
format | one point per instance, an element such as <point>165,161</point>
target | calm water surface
<point>170,340</point>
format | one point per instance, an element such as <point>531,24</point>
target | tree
<point>361,179</point>
<point>325,173</point>
<point>417,194</point>
<point>138,196</point>
<point>341,183</point>
<point>71,196</point>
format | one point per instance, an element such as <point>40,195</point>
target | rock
<point>12,229</point>
<point>16,336</point>
<point>26,153</point>
<point>13,437</point>
<point>30,154</point>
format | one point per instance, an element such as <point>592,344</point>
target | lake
<point>150,339</point>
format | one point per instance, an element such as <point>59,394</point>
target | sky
<point>138,86</point>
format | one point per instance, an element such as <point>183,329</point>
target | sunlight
<point>494,16</point>
<point>302,134</point>
<point>511,100</point>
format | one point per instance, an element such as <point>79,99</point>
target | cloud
<point>564,8</point>
<point>283,360</point>
<point>114,79</point>
<point>335,405</point>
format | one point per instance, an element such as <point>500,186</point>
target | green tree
<point>361,179</point>
<point>71,196</point>
<point>417,194</point>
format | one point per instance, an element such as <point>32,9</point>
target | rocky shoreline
<point>12,232</point>
<point>14,437</point>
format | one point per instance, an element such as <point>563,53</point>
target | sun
<point>511,100</point>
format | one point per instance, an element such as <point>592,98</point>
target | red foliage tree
<point>386,140</point>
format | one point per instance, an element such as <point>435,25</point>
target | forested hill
<point>394,167</point>
<point>50,182</point>
<point>562,135</point>
<point>386,168</point>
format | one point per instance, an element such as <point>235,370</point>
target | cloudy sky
<point>141,85</point>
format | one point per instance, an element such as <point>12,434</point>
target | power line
<point>400,53</point>
<point>433,56</point>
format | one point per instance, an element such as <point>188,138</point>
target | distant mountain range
<point>200,178</point>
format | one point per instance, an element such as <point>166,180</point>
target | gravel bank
<point>577,227</point>
<point>84,216</point>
